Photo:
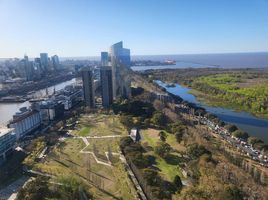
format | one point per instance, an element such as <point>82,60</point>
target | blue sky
<point>147,27</point>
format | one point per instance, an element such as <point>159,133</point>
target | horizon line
<point>88,56</point>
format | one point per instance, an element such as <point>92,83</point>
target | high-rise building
<point>106,86</point>
<point>120,61</point>
<point>44,61</point>
<point>55,62</point>
<point>104,58</point>
<point>28,67</point>
<point>88,87</point>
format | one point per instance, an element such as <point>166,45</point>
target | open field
<point>104,182</point>
<point>99,125</point>
<point>103,145</point>
<point>169,168</point>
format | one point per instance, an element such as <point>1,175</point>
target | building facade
<point>51,110</point>
<point>88,87</point>
<point>44,61</point>
<point>104,58</point>
<point>7,142</point>
<point>55,62</point>
<point>25,121</point>
<point>120,62</point>
<point>106,86</point>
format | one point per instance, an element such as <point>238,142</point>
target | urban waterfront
<point>254,126</point>
<point>7,110</point>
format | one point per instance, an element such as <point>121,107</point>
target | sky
<point>72,28</point>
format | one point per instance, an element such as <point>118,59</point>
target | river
<point>252,125</point>
<point>7,110</point>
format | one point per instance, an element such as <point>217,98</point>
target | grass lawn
<point>99,125</point>
<point>168,170</point>
<point>102,145</point>
<point>84,131</point>
<point>66,159</point>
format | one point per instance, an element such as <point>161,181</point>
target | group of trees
<point>225,88</point>
<point>157,187</point>
<point>67,188</point>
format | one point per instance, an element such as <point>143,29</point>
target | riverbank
<point>253,126</point>
<point>210,100</point>
<point>241,91</point>
<point>23,89</point>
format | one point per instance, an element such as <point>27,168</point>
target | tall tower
<point>120,61</point>
<point>106,86</point>
<point>28,68</point>
<point>104,58</point>
<point>88,87</point>
<point>44,61</point>
<point>55,62</point>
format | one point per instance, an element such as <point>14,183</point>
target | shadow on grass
<point>173,159</point>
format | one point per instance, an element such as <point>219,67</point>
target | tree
<point>177,182</point>
<point>151,176</point>
<point>254,140</point>
<point>240,134</point>
<point>35,190</point>
<point>125,141</point>
<point>163,136</point>
<point>127,121</point>
<point>179,136</point>
<point>230,128</point>
<point>196,150</point>
<point>230,193</point>
<point>163,149</point>
<point>159,119</point>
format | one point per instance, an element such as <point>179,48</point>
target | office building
<point>120,62</point>
<point>55,62</point>
<point>25,121</point>
<point>88,87</point>
<point>106,86</point>
<point>44,61</point>
<point>104,59</point>
<point>7,142</point>
<point>29,70</point>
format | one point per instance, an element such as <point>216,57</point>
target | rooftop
<point>5,130</point>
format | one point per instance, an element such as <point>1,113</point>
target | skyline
<point>83,29</point>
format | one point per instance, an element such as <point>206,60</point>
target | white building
<point>25,121</point>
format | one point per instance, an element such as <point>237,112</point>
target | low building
<point>135,135</point>
<point>70,96</point>
<point>7,142</point>
<point>51,110</point>
<point>25,121</point>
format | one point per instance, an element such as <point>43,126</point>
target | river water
<point>252,125</point>
<point>7,110</point>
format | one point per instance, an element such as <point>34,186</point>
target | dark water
<point>7,110</point>
<point>254,126</point>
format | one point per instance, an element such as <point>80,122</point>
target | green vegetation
<point>84,131</point>
<point>100,146</point>
<point>63,188</point>
<point>68,164</point>
<point>240,91</point>
<point>99,125</point>
<point>156,184</point>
